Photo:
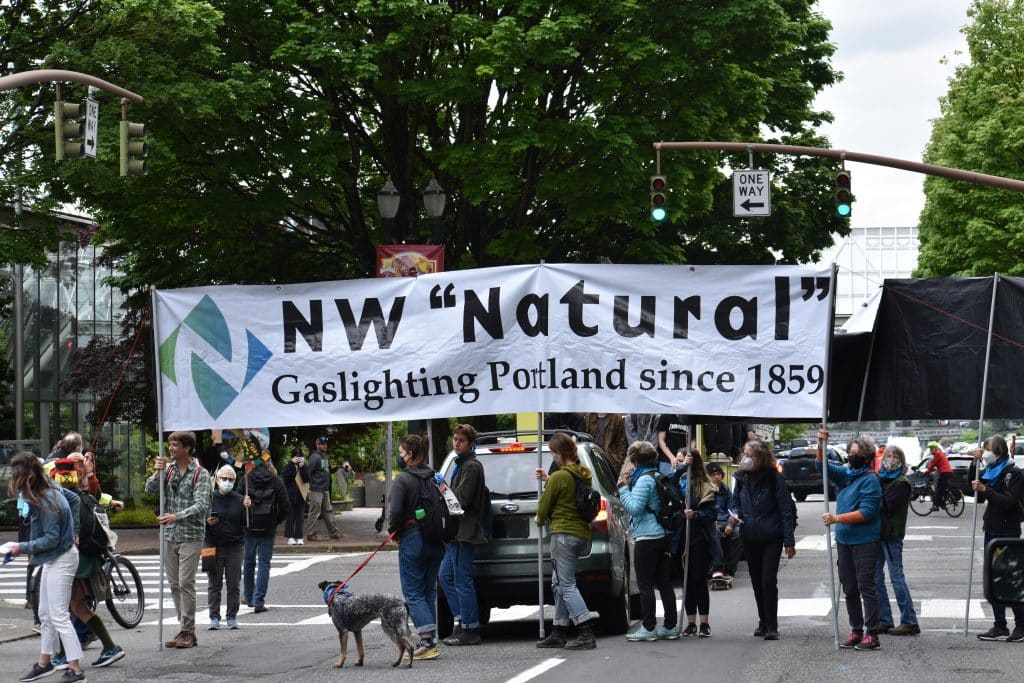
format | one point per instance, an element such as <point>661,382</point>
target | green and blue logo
<point>208,323</point>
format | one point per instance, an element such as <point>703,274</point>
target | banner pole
<point>540,530</point>
<point>823,446</point>
<point>160,451</point>
<point>981,426</point>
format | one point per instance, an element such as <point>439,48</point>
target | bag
<point>92,537</point>
<point>301,484</point>
<point>262,516</point>
<point>208,559</point>
<point>431,514</point>
<point>671,517</point>
<point>588,501</point>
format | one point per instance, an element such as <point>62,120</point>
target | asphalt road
<point>295,640</point>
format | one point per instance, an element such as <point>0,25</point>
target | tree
<point>968,229</point>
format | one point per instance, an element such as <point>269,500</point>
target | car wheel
<point>800,497</point>
<point>445,621</point>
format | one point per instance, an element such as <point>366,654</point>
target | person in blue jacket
<point>858,530</point>
<point>652,547</point>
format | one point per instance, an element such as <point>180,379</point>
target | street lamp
<point>388,200</point>
<point>434,199</point>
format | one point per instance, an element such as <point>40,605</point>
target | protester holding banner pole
<point>858,526</point>
<point>700,529</point>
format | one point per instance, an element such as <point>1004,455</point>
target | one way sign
<point>751,193</point>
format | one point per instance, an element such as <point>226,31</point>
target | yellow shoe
<point>426,649</point>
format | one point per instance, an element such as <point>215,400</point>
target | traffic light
<point>659,198</point>
<point>133,149</point>
<point>69,129</point>
<point>843,194</point>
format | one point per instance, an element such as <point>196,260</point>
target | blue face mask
<point>23,508</point>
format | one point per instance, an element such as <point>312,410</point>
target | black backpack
<point>92,537</point>
<point>262,515</point>
<point>436,525</point>
<point>670,517</point>
<point>588,501</point>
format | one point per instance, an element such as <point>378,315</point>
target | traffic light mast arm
<point>796,150</point>
<point>59,75</point>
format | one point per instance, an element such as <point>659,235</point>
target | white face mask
<point>225,486</point>
<point>989,458</point>
<point>747,463</point>
<point>890,464</point>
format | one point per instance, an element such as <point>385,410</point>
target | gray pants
<point>319,505</point>
<point>180,562</point>
<point>229,570</point>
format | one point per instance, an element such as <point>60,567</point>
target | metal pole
<point>981,423</point>
<point>686,541</point>
<point>389,458</point>
<point>19,324</point>
<point>540,530</point>
<point>160,441</point>
<point>867,373</point>
<point>823,446</point>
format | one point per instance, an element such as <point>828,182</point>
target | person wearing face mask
<point>763,514</point>
<point>895,501</point>
<point>858,528</point>
<point>1000,486</point>
<point>224,531</point>
<point>295,476</point>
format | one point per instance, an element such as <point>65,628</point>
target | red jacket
<point>939,462</point>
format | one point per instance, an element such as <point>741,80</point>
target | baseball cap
<point>715,469</point>
<point>322,439</point>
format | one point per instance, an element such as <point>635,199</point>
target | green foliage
<point>968,229</point>
<point>133,517</point>
<point>794,430</point>
<point>9,512</point>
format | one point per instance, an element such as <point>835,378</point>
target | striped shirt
<point>189,501</point>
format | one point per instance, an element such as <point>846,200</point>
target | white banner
<point>739,341</point>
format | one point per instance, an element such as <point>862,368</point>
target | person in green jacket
<point>570,539</point>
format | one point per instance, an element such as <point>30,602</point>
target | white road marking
<point>537,670</point>
<point>949,609</point>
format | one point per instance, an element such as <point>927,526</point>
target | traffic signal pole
<point>842,155</point>
<point>24,78</point>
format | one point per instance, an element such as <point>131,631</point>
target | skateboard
<point>722,584</point>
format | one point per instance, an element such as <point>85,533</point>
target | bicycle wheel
<point>921,502</point>
<point>125,597</point>
<point>954,502</point>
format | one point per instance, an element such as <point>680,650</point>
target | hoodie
<point>558,502</point>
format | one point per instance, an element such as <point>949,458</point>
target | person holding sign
<point>296,482</point>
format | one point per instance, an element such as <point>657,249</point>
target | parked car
<point>960,479</point>
<point>802,477</point>
<point>505,568</point>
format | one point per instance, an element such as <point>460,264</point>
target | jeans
<point>731,551</point>
<point>180,562</point>
<point>569,604</point>
<point>319,504</point>
<point>54,598</point>
<point>418,566</point>
<point>857,564</point>
<point>229,570</point>
<point>258,551</point>
<point>763,564</point>
<point>890,552</point>
<point>941,484</point>
<point>652,558</point>
<point>457,582</point>
<point>999,611</point>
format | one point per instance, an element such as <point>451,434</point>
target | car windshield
<point>510,475</point>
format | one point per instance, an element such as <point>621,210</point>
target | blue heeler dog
<point>352,613</point>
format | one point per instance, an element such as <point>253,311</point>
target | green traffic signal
<point>659,198</point>
<point>843,194</point>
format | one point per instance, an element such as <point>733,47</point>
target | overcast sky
<point>890,54</point>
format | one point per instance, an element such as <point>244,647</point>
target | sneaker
<point>299,541</point>
<point>1017,636</point>
<point>690,630</point>
<point>108,657</point>
<point>74,677</point>
<point>905,630</point>
<point>313,537</point>
<point>59,662</point>
<point>259,609</point>
<point>641,635</point>
<point>717,574</point>
<point>38,628</point>
<point>868,642</point>
<point>771,634</point>
<point>469,636</point>
<point>426,649</point>
<point>337,535</point>
<point>995,633</point>
<point>851,642</point>
<point>293,541</point>
<point>668,633</point>
<point>232,624</point>
<point>37,672</point>
<point>705,631</point>
<point>214,624</point>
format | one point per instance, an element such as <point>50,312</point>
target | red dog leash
<point>338,587</point>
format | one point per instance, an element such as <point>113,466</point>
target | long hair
<point>28,479</point>
<point>698,472</point>
<point>762,455</point>
<point>418,446</point>
<point>896,452</point>
<point>563,444</point>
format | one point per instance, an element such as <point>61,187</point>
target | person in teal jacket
<point>858,529</point>
<point>652,555</point>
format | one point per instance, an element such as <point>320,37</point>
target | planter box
<point>374,490</point>
<point>341,505</point>
<point>358,496</point>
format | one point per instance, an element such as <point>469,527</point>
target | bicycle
<point>922,494</point>
<point>120,585</point>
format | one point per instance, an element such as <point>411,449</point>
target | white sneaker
<point>300,541</point>
<point>292,541</point>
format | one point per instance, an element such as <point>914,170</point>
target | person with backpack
<point>186,488</point>
<point>225,533</point>
<point>1001,487</point>
<point>858,529</point>
<point>699,494</point>
<point>468,485</point>
<point>652,544</point>
<point>266,506</point>
<point>318,501</point>
<point>415,505</point>
<point>895,501</point>
<point>570,539</point>
<point>766,523</point>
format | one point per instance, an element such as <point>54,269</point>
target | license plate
<point>511,527</point>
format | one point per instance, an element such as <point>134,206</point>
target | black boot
<point>584,639</point>
<point>556,638</point>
